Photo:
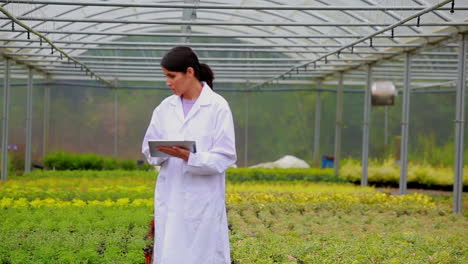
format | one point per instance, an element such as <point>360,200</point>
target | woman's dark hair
<point>178,59</point>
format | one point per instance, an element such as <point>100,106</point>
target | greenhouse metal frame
<point>317,42</point>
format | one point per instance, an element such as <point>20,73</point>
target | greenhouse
<point>373,87</point>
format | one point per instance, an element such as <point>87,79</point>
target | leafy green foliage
<point>277,222</point>
<point>329,233</point>
<point>387,173</point>
<point>73,235</point>
<point>257,174</point>
<point>89,161</point>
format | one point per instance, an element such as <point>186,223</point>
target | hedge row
<point>89,161</point>
<point>257,174</point>
<point>380,174</point>
<point>388,173</point>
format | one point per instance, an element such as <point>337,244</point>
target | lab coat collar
<point>205,95</point>
<point>203,100</point>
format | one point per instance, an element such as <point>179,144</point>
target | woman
<point>190,211</point>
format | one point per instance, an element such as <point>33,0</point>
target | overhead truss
<point>263,43</point>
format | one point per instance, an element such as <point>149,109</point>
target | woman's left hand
<point>176,151</point>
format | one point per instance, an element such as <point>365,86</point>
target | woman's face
<point>179,82</point>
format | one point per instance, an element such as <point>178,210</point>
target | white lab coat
<point>189,205</point>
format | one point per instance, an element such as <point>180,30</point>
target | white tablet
<point>190,145</point>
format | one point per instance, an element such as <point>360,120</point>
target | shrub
<point>89,161</point>
<point>257,174</point>
<point>388,172</point>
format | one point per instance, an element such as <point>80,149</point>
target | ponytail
<point>206,74</point>
<point>179,58</point>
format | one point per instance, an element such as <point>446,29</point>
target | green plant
<point>89,161</point>
<point>387,173</point>
<point>312,174</point>
<point>273,222</point>
<point>427,151</point>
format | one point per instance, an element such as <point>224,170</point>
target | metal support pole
<point>246,130</point>
<point>386,127</point>
<point>116,123</point>
<point>339,124</point>
<point>459,125</point>
<point>27,158</point>
<point>188,14</point>
<point>405,125</point>
<point>45,126</point>
<point>318,110</point>
<point>6,109</point>
<point>365,129</point>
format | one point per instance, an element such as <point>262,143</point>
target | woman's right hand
<point>175,151</point>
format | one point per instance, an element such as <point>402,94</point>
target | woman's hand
<point>178,152</point>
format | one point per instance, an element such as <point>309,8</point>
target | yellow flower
<point>142,202</point>
<point>108,203</point>
<point>6,202</point>
<point>78,203</point>
<point>122,202</point>
<point>21,202</point>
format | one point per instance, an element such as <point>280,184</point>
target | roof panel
<point>320,35</point>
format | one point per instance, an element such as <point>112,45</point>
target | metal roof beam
<point>221,70</point>
<point>125,63</point>
<point>229,23</point>
<point>195,44</point>
<point>253,60</point>
<point>52,45</point>
<point>219,81</point>
<point>234,7</point>
<point>21,62</point>
<point>141,58</point>
<point>255,36</point>
<point>425,75</point>
<point>273,60</point>
<point>415,87</point>
<point>200,49</point>
<point>415,65</point>
<point>369,38</point>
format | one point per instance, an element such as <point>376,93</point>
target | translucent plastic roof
<point>257,41</point>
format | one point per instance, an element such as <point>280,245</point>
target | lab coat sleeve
<point>222,155</point>
<point>152,133</point>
